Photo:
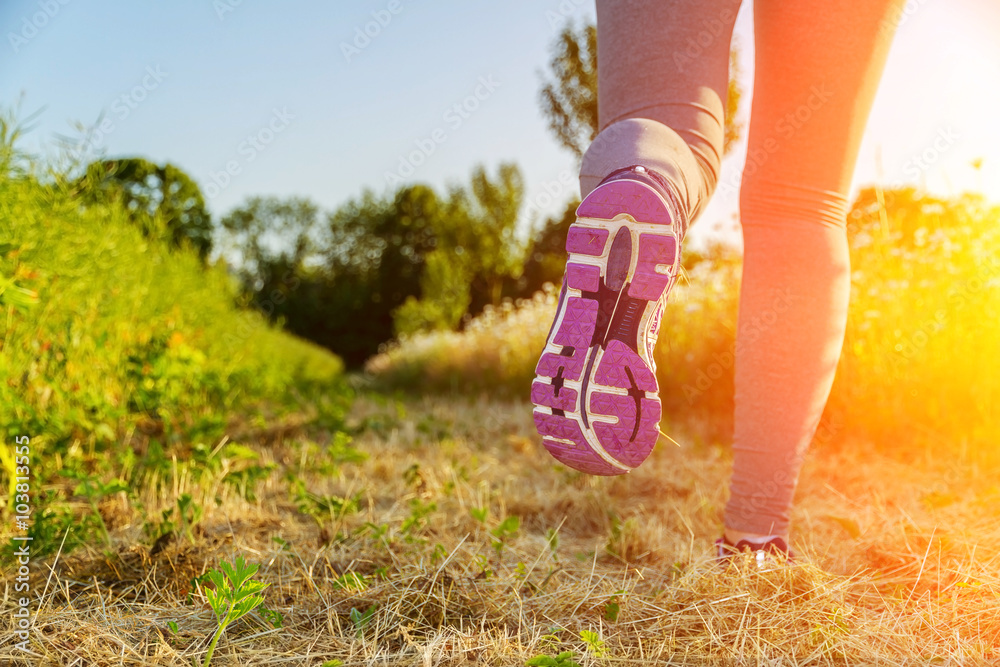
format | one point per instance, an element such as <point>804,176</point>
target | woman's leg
<point>663,72</point>
<point>817,69</point>
<point>663,75</point>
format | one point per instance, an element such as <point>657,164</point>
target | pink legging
<point>663,73</point>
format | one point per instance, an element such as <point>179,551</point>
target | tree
<point>545,260</point>
<point>444,296</point>
<point>380,265</point>
<point>734,93</point>
<point>384,240</point>
<point>476,254</point>
<point>375,261</point>
<point>153,193</point>
<point>482,228</point>
<point>271,236</point>
<point>569,98</point>
<point>569,102</point>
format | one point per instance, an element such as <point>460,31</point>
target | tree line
<point>377,267</point>
<point>380,265</point>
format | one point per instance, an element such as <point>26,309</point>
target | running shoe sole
<point>596,397</point>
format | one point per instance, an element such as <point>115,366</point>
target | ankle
<point>734,536</point>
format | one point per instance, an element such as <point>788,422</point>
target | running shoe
<point>597,404</point>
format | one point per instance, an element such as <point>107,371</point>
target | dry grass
<point>900,560</point>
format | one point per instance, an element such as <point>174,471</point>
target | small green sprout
<point>595,645</point>
<point>506,530</point>
<point>564,659</point>
<point>233,597</point>
<point>362,619</point>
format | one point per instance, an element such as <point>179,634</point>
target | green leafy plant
<point>413,477</point>
<point>611,609</point>
<point>484,567</point>
<point>351,581</point>
<point>275,618</point>
<point>323,508</point>
<point>417,519</point>
<point>178,520</point>
<point>507,529</point>
<point>12,294</point>
<point>379,533</point>
<point>563,659</point>
<point>594,643</point>
<point>94,490</point>
<point>189,513</point>
<point>327,459</point>
<point>235,595</point>
<point>362,619</point>
<point>552,539</point>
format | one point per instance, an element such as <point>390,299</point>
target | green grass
<point>118,353</point>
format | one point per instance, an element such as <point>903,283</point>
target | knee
<point>774,203</point>
<point>651,143</point>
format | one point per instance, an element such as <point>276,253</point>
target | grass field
<point>471,547</point>
<point>410,516</point>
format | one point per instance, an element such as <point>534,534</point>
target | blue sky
<point>261,98</point>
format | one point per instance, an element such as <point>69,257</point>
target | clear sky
<point>268,90</point>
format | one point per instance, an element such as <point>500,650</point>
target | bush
<point>917,361</point>
<point>111,337</point>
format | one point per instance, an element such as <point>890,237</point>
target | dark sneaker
<point>597,404</point>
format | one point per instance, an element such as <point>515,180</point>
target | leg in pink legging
<point>817,69</point>
<point>662,71</point>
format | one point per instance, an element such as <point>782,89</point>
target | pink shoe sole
<point>596,397</point>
